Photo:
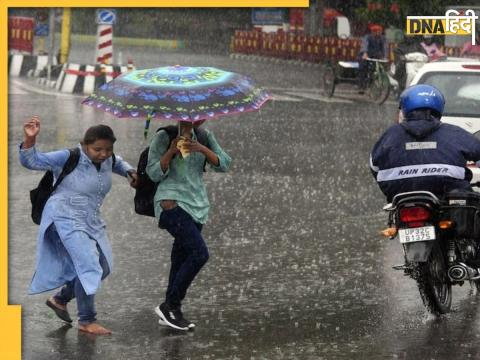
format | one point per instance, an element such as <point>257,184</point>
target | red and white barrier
<point>295,46</point>
<point>20,34</point>
<point>84,79</point>
<point>104,51</point>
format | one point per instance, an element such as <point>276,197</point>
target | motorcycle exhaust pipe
<point>462,272</point>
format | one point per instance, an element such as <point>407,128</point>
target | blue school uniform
<point>74,210</point>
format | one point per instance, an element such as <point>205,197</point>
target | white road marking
<point>18,87</point>
<point>277,97</point>
<point>346,96</point>
<point>23,86</point>
<point>274,88</point>
<point>15,90</point>
<point>319,97</point>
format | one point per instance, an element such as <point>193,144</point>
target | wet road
<point>297,268</point>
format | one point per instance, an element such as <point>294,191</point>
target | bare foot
<point>94,328</point>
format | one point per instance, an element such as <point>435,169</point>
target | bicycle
<point>377,81</point>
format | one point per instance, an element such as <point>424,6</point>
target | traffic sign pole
<point>105,20</point>
<point>104,52</point>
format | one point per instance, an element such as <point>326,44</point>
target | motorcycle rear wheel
<point>433,283</point>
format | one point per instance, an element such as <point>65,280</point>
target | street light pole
<point>65,39</point>
<point>319,14</point>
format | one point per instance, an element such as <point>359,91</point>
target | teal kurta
<point>183,180</point>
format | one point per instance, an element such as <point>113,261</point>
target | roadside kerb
<point>127,41</point>
<point>21,65</point>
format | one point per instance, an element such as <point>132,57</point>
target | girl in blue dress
<point>73,251</point>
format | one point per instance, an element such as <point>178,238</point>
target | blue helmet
<point>422,97</point>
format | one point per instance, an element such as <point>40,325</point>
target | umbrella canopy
<point>178,93</point>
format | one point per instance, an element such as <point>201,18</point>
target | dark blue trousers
<point>363,67</point>
<point>189,252</point>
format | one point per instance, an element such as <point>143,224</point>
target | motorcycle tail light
<point>414,214</point>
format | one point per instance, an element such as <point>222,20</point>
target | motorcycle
<point>413,62</point>
<point>438,239</point>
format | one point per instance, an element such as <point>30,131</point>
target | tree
<point>395,12</point>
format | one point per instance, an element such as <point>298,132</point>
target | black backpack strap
<point>114,160</point>
<point>69,166</point>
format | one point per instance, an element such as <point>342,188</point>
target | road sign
<point>273,16</point>
<point>41,16</point>
<point>41,29</point>
<point>106,16</point>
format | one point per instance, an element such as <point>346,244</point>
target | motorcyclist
<point>408,45</point>
<point>421,153</point>
<point>431,48</point>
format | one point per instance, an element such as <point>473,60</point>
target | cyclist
<point>421,153</point>
<point>374,45</point>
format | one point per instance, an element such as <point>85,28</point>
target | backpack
<point>146,189</point>
<point>45,188</point>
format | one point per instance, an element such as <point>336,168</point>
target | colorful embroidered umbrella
<point>178,93</point>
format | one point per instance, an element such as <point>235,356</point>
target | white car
<point>459,81</point>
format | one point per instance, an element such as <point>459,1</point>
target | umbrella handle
<point>147,125</point>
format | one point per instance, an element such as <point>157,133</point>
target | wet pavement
<point>297,268</point>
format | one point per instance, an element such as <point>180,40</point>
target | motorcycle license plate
<point>423,233</point>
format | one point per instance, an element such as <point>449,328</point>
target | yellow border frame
<point>10,315</point>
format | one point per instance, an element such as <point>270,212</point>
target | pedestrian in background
<point>181,207</point>
<point>470,50</point>
<point>73,251</point>
<point>431,48</point>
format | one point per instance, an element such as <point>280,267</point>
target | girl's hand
<point>30,131</point>
<point>172,149</point>
<point>169,154</point>
<point>195,146</point>
<point>133,176</point>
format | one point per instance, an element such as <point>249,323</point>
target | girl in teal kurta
<point>181,207</point>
